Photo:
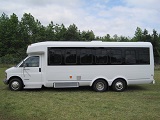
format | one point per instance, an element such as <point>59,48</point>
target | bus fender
<point>119,77</point>
<point>98,78</point>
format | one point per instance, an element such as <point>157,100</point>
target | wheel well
<point>13,77</point>
<point>100,79</point>
<point>120,79</point>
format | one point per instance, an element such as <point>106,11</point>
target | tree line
<point>16,35</point>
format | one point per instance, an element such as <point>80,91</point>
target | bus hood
<point>10,69</point>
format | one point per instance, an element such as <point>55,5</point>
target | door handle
<point>39,69</point>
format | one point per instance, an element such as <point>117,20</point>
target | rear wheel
<point>100,86</point>
<point>119,85</point>
<point>15,84</point>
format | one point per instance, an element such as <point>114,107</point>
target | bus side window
<point>116,56</point>
<point>144,56</point>
<point>101,56</point>
<point>86,56</point>
<point>130,57</point>
<point>71,56</point>
<point>54,57</point>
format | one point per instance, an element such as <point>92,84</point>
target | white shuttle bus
<point>72,64</point>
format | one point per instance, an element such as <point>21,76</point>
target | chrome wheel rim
<point>119,86</point>
<point>100,86</point>
<point>15,85</point>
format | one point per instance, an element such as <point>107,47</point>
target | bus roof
<point>40,47</point>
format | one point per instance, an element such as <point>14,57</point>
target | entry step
<point>66,84</point>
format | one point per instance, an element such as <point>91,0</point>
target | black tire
<point>15,84</point>
<point>100,85</point>
<point>119,85</point>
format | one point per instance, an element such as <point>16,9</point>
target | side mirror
<point>25,65</point>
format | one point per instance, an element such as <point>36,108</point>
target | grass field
<point>140,102</point>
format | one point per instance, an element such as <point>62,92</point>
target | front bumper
<point>153,82</point>
<point>5,81</point>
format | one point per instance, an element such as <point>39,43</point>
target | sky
<point>103,17</point>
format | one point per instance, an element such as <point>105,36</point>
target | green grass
<point>140,102</point>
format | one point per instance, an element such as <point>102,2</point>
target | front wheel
<point>119,85</point>
<point>15,84</point>
<point>100,86</point>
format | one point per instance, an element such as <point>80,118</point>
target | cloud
<point>124,19</point>
<point>102,16</point>
<point>148,4</point>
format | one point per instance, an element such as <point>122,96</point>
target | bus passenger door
<point>32,75</point>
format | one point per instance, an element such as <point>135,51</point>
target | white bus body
<point>73,64</point>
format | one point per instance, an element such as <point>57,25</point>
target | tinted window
<point>130,57</point>
<point>86,56</point>
<point>98,56</point>
<point>144,56</point>
<point>54,56</point>
<point>71,56</point>
<point>116,56</point>
<point>101,56</point>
